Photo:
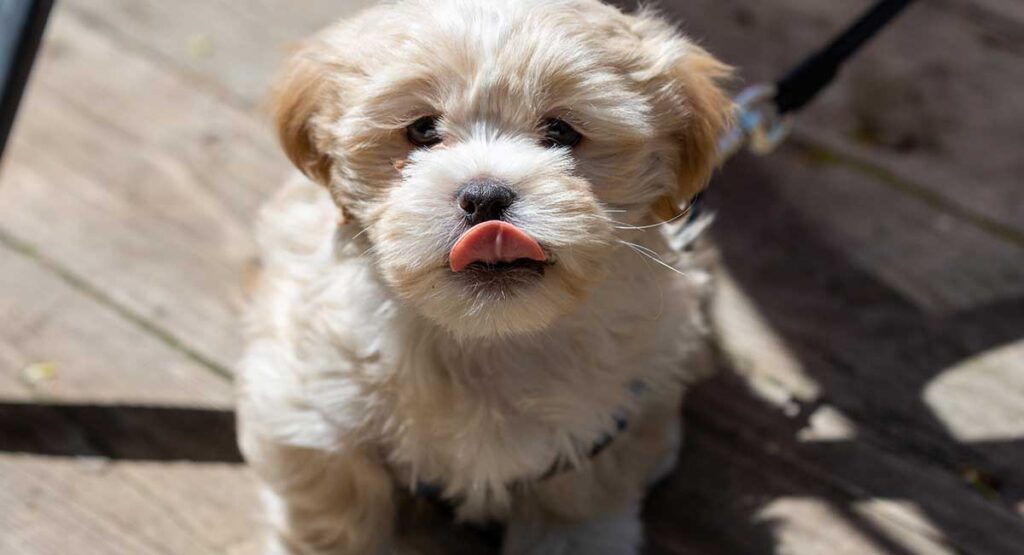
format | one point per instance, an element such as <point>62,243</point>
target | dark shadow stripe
<point>119,432</point>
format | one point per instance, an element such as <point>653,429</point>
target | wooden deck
<point>870,311</point>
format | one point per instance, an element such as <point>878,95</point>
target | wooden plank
<point>941,263</point>
<point>59,506</point>
<point>228,46</point>
<point>139,186</point>
<point>95,355</point>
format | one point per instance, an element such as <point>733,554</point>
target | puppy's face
<point>485,147</point>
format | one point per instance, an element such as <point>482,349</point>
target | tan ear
<point>696,108</point>
<point>297,99</point>
<point>709,114</point>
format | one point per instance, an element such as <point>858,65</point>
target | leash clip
<point>758,123</point>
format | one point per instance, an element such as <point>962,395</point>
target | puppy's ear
<point>297,100</point>
<point>709,113</point>
<point>691,102</point>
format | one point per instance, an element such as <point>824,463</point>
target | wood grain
<point>96,356</point>
<point>92,507</point>
<point>139,185</point>
<point>232,48</point>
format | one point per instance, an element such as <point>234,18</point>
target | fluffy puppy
<point>464,291</point>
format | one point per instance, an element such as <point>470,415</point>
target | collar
<point>433,490</point>
<point>561,465</point>
<point>683,233</point>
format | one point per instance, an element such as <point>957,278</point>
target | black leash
<point>763,110</point>
<point>805,81</point>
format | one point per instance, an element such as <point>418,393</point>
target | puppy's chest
<point>483,424</point>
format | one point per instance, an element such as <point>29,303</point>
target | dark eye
<point>423,132</point>
<point>559,133</point>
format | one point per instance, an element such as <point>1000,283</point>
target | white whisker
<point>623,225</point>
<point>362,254</point>
<point>648,253</point>
<point>356,236</point>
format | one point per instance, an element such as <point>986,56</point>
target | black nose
<point>484,199</point>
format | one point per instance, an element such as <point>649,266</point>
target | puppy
<point>465,291</point>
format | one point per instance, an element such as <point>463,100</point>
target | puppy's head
<point>486,147</point>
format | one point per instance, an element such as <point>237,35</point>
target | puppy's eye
<point>559,133</point>
<point>423,132</point>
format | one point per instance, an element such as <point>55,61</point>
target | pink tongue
<point>493,241</point>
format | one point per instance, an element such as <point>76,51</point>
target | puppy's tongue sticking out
<point>492,242</point>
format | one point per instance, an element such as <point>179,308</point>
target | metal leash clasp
<point>758,123</point>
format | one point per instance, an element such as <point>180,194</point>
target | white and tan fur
<point>370,367</point>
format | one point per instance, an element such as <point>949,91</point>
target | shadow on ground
<point>872,354</point>
<point>119,432</point>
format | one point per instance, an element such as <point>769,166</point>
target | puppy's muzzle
<point>491,243</point>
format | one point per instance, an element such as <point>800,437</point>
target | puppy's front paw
<point>618,534</point>
<point>670,453</point>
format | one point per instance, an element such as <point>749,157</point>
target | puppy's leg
<point>619,533</point>
<point>321,503</point>
<point>670,452</point>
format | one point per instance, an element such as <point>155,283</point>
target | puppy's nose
<point>484,200</point>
